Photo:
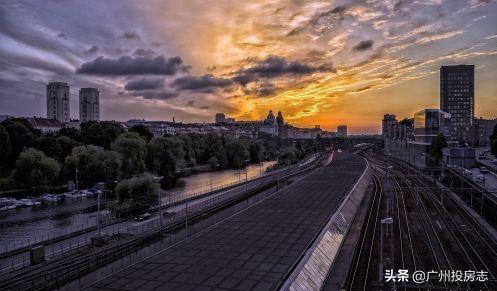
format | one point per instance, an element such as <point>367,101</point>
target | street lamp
<point>159,202</point>
<point>386,221</point>
<point>216,166</point>
<point>77,179</point>
<point>246,170</point>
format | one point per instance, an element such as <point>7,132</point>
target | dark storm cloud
<point>129,35</point>
<point>204,107</point>
<point>261,89</point>
<point>127,65</point>
<point>93,50</point>
<point>203,83</point>
<point>144,53</point>
<point>144,84</point>
<point>273,67</point>
<point>62,35</point>
<point>363,45</point>
<point>154,94</point>
<point>190,103</point>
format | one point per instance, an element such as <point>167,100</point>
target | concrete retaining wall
<point>311,272</point>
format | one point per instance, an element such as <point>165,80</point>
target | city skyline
<point>318,62</point>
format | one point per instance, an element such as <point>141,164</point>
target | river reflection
<point>24,225</point>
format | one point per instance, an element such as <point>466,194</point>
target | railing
<point>19,246</point>
<point>54,276</point>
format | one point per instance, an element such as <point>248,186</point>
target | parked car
<point>467,172</point>
<point>479,179</point>
<point>50,198</point>
<point>26,202</point>
<point>7,204</point>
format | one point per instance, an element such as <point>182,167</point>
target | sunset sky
<point>319,62</point>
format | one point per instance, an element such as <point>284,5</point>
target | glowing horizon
<point>320,62</point>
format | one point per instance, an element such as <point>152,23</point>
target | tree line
<point>105,152</point>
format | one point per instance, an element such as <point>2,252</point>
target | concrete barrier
<point>312,270</point>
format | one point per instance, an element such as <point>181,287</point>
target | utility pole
<point>77,179</point>
<point>246,175</point>
<point>98,214</point>
<point>186,219</point>
<point>160,210</point>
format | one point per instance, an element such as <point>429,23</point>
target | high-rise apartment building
<point>89,109</point>
<point>457,97</point>
<point>58,106</point>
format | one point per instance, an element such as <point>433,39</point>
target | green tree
<point>213,162</point>
<point>94,164</point>
<point>20,137</point>
<point>164,156</point>
<point>48,144</point>
<point>133,150</point>
<point>142,130</point>
<point>288,156</point>
<point>272,145</point>
<point>493,147</point>
<point>66,144</point>
<point>5,150</point>
<point>100,133</point>
<point>190,158</point>
<point>237,153</point>
<point>141,191</point>
<point>436,147</point>
<point>256,150</point>
<point>33,168</point>
<point>215,147</point>
<point>493,136</point>
<point>71,133</point>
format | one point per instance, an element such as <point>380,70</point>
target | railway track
<point>477,248</point>
<point>363,255</point>
<point>56,275</point>
<point>111,222</point>
<point>427,235</point>
<point>410,259</point>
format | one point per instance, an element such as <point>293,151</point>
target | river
<point>23,226</point>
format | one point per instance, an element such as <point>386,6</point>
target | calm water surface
<point>24,225</point>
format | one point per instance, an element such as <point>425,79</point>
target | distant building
<point>270,124</point>
<point>45,124</point>
<point>483,129</point>
<point>5,117</point>
<point>462,157</point>
<point>342,130</point>
<point>457,98</point>
<point>220,118</point>
<point>388,120</point>
<point>281,125</point>
<point>58,106</point>
<point>89,108</point>
<point>428,123</point>
<point>230,120</point>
